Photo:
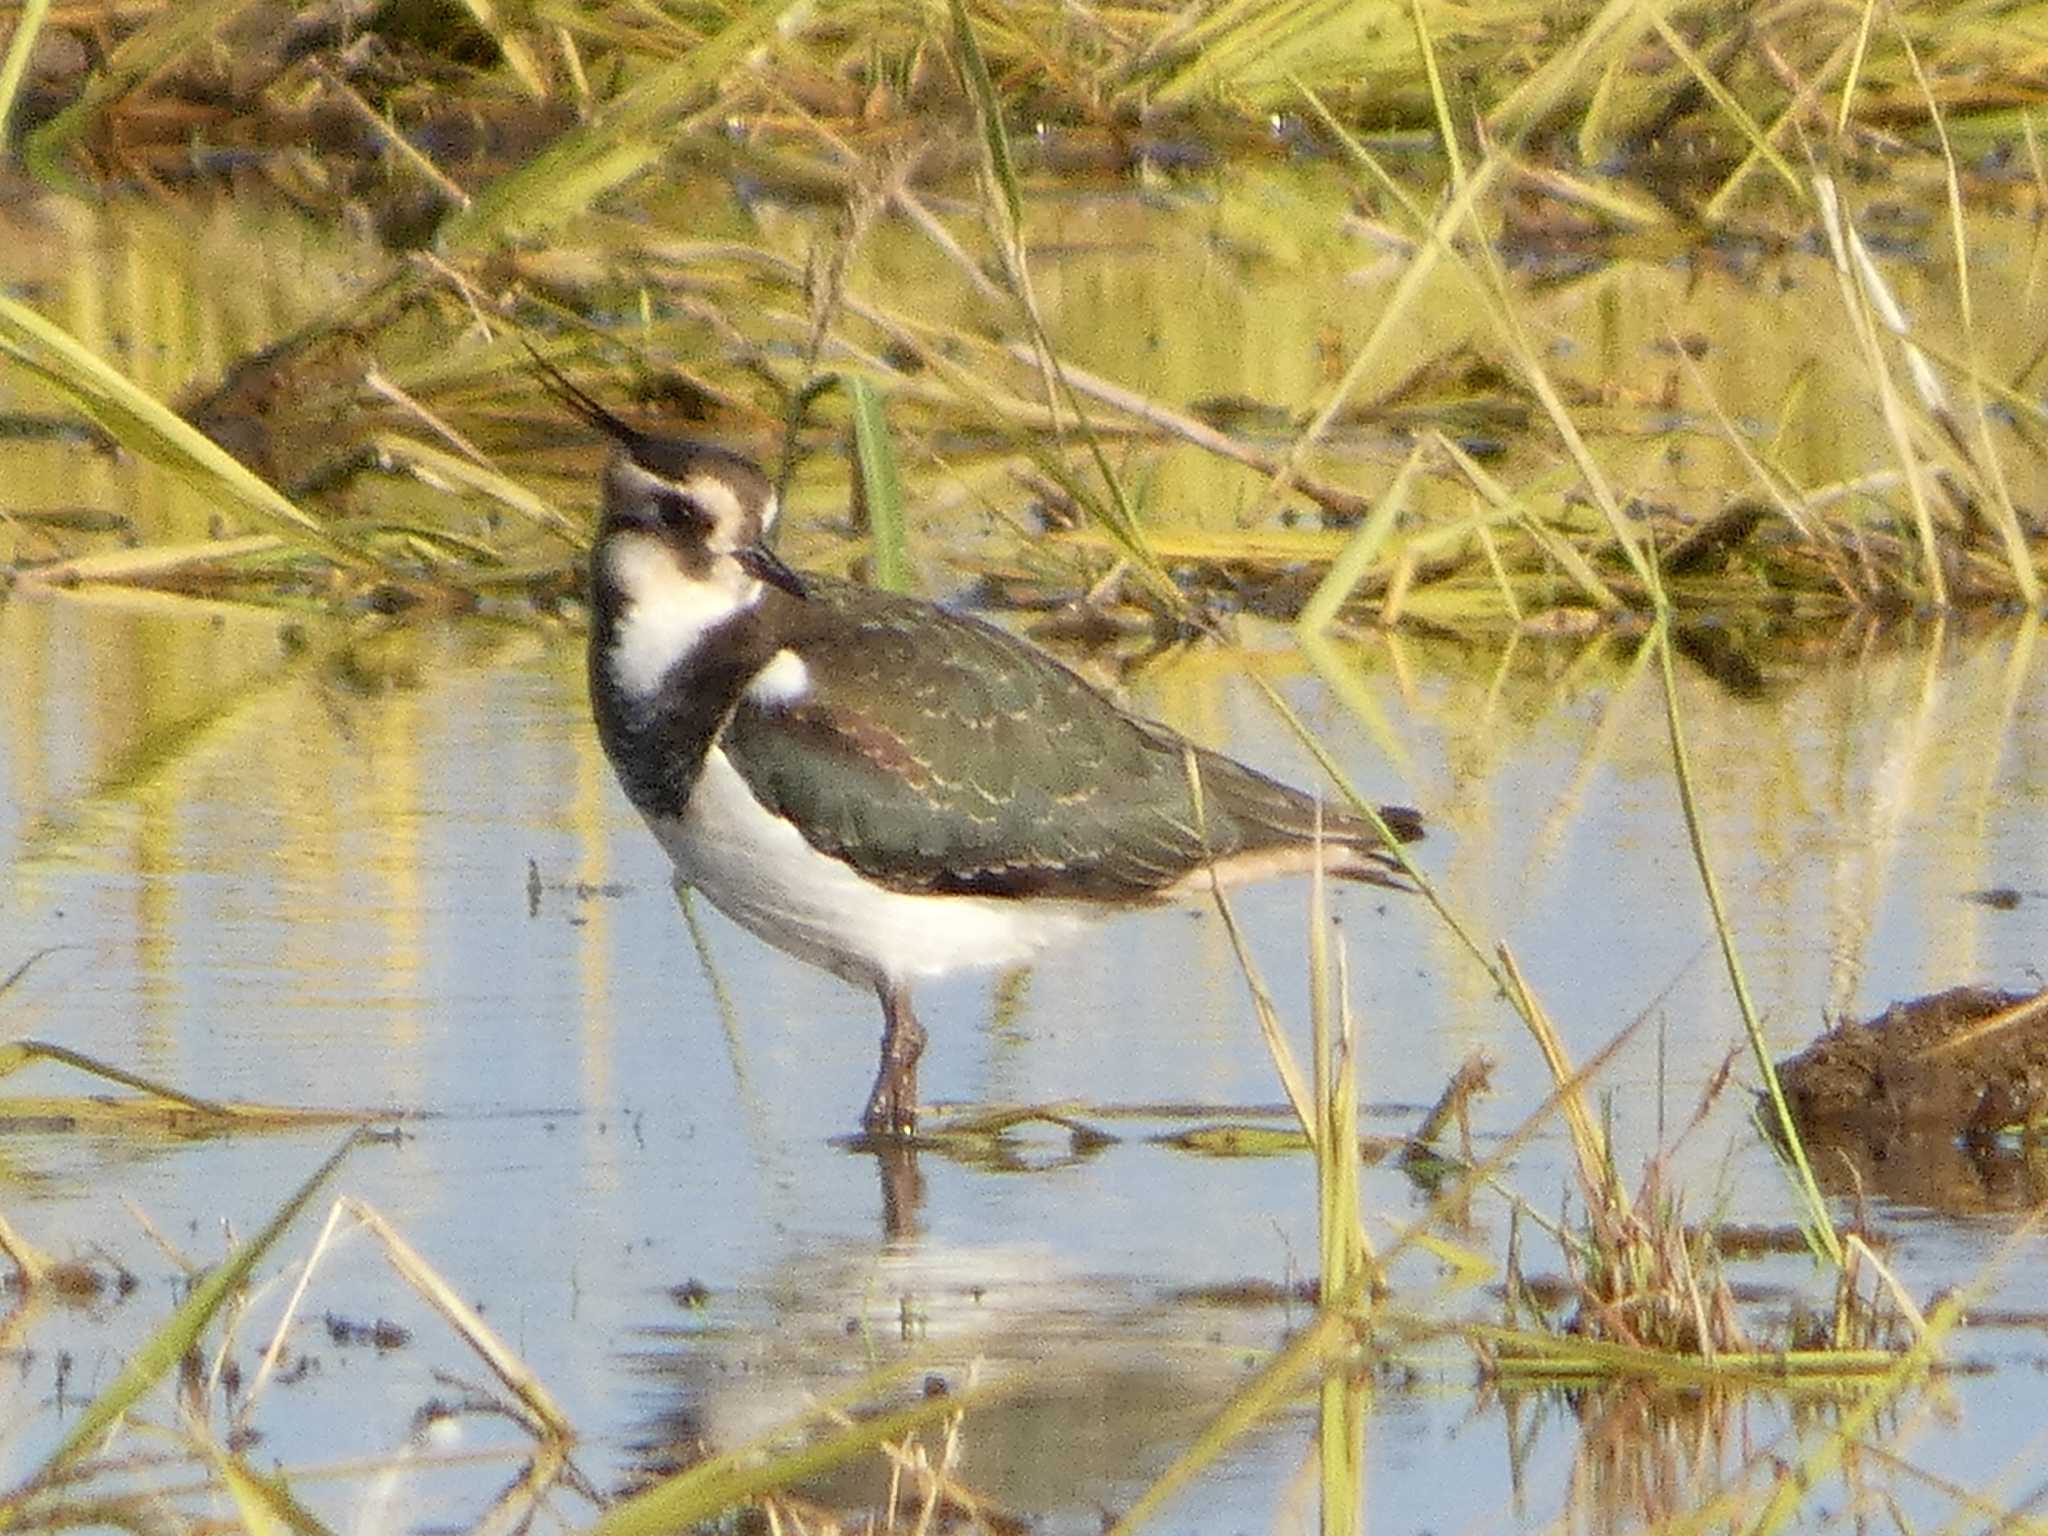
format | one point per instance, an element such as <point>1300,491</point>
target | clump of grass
<point>1649,1300</point>
<point>766,1472</point>
<point>1445,542</point>
<point>1609,80</point>
<point>152,1107</point>
<point>161,1353</point>
<point>1642,1279</point>
<point>1512,555</point>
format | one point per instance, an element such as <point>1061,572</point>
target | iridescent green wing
<point>936,753</point>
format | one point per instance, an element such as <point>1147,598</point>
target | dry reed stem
<point>274,1350</point>
<point>29,1261</point>
<point>549,1421</point>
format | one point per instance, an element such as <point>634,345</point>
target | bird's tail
<point>1246,814</point>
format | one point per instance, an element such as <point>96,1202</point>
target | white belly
<point>758,871</point>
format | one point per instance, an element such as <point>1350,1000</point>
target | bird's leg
<point>892,1107</point>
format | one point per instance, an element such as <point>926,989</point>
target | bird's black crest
<point>673,458</point>
<point>582,404</point>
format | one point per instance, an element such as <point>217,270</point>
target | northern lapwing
<point>882,786</point>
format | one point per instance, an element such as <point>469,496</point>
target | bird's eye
<point>679,512</point>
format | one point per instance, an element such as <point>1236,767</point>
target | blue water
<point>296,870</point>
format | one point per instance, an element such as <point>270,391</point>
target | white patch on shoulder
<point>665,614</point>
<point>758,870</point>
<point>783,681</point>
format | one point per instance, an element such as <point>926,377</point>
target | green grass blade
<point>31,1266</point>
<point>1247,1407</point>
<point>27,26</point>
<point>1365,158</point>
<point>1863,29</point>
<point>881,488</point>
<point>1439,102</point>
<point>1715,210</point>
<point>1117,514</point>
<point>622,140</point>
<point>714,1487</point>
<point>1791,1490</point>
<point>1332,1330</point>
<point>1870,304</point>
<point>1535,1355</point>
<point>512,48</point>
<point>152,430</point>
<point>1350,567</point>
<point>1556,547</point>
<point>16,1054</point>
<point>1611,33</point>
<point>1759,141</point>
<point>1340,1450</point>
<point>162,1351</point>
<point>1407,291</point>
<point>1596,125</point>
<point>265,1505</point>
<point>1808,1188</point>
<point>468,475</point>
<point>133,565</point>
<point>990,110</point>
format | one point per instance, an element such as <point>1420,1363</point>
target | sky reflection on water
<point>295,869</point>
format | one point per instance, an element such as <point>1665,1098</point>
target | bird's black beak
<point>762,563</point>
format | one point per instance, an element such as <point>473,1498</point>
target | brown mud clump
<point>1969,1062</point>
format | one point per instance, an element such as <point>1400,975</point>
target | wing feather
<point>937,754</point>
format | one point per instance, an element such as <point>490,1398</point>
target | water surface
<point>292,863</point>
<point>315,856</point>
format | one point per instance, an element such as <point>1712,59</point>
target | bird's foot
<point>891,1114</point>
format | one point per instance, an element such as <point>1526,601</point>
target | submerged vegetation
<point>835,235</point>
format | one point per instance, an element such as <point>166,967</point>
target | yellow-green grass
<point>441,424</point>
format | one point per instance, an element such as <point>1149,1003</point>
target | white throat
<point>665,614</point>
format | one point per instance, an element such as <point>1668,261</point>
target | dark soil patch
<point>1967,1062</point>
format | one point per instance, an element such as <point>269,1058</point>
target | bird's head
<point>678,510</point>
<point>681,541</point>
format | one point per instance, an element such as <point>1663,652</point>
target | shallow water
<point>366,864</point>
<point>296,870</point>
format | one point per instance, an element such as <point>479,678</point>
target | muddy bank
<point>1968,1062</point>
